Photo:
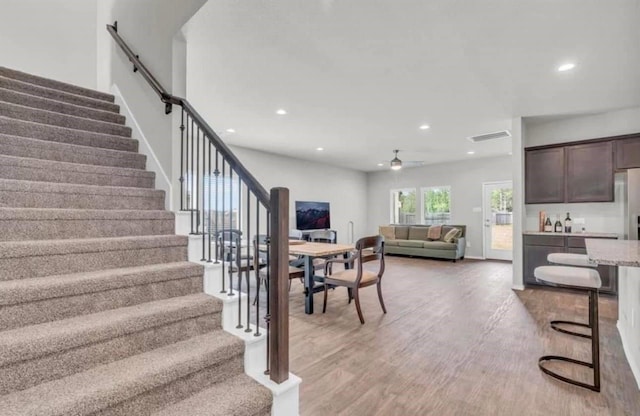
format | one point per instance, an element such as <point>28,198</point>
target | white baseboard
<point>474,257</point>
<point>153,164</point>
<point>517,287</point>
<point>635,367</point>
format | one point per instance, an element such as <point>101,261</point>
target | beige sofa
<point>412,240</point>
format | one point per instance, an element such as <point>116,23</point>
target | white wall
<point>54,38</point>
<point>344,189</point>
<point>149,27</point>
<point>465,179</point>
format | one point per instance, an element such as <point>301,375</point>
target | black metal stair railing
<point>237,219</point>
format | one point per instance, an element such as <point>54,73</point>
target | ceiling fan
<point>397,164</point>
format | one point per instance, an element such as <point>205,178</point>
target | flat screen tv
<point>312,215</point>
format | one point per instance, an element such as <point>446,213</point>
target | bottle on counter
<point>548,227</point>
<point>558,225</point>
<point>567,224</point>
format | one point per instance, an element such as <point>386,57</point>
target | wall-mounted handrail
<point>170,99</point>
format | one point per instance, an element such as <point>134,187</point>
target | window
<point>437,205</point>
<point>403,206</point>
<point>226,213</point>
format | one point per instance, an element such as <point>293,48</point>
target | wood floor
<point>456,341</point>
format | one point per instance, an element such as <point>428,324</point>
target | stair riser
<point>29,373</point>
<point>57,134</point>
<point>60,107</point>
<point>19,229</point>
<point>57,95</point>
<point>29,173</point>
<point>45,150</point>
<point>48,310</point>
<point>58,85</point>
<point>177,390</point>
<point>62,120</point>
<point>45,265</point>
<point>25,199</point>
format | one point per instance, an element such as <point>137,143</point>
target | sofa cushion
<point>452,235</point>
<point>410,243</point>
<point>446,229</point>
<point>435,232</point>
<point>402,232</point>
<point>391,242</point>
<point>418,233</point>
<point>388,232</point>
<point>439,245</point>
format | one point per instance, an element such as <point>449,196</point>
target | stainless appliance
<point>632,208</point>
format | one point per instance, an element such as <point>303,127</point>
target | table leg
<point>347,266</point>
<point>308,284</point>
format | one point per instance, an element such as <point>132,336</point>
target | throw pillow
<point>402,233</point>
<point>388,232</point>
<point>452,235</point>
<point>418,233</point>
<point>434,232</point>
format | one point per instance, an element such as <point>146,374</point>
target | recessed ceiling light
<point>281,112</point>
<point>566,67</point>
<point>424,127</point>
<point>380,164</point>
<point>231,131</point>
<point>471,152</point>
<point>319,149</point>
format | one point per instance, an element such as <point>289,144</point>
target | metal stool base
<point>553,374</point>
<point>566,331</point>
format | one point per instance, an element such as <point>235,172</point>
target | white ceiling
<point>358,77</point>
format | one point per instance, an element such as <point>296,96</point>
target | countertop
<point>585,234</point>
<point>614,252</point>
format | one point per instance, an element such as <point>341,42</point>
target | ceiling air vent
<point>503,134</point>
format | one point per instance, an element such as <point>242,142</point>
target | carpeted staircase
<point>100,312</point>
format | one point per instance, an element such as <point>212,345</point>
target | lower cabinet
<point>537,247</point>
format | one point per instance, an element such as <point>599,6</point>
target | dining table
<point>309,251</point>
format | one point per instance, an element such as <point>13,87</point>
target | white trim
<point>484,206</point>
<point>517,287</point>
<point>153,164</point>
<point>635,367</point>
<point>474,257</point>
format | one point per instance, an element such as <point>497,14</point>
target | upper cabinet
<point>569,173</point>
<point>628,153</point>
<point>544,175</point>
<point>589,172</point>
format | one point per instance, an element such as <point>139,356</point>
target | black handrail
<point>169,99</point>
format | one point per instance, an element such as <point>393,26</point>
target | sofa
<point>413,240</point>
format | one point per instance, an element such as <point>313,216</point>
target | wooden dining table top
<point>319,249</point>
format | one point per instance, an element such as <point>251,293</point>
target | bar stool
<point>582,279</point>
<point>577,260</point>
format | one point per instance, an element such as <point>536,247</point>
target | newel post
<point>279,285</point>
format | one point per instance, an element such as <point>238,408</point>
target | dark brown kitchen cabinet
<point>544,176</point>
<point>589,172</point>
<point>627,153</point>
<point>536,248</point>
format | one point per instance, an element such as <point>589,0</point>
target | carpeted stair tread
<point>36,115</point>
<point>14,292</point>
<point>58,95</point>
<point>40,131</point>
<point>37,258</point>
<point>40,170</point>
<point>71,153</point>
<point>58,85</point>
<point>55,223</point>
<point>31,194</point>
<point>33,101</point>
<point>237,396</point>
<point>30,342</point>
<point>108,385</point>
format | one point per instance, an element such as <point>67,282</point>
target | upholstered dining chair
<point>261,265</point>
<point>368,249</point>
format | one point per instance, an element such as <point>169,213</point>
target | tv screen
<point>312,215</point>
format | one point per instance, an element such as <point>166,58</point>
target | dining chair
<point>229,243</point>
<point>261,265</point>
<point>368,249</point>
<point>322,236</point>
<point>295,234</point>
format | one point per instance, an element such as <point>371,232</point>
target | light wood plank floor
<point>456,341</point>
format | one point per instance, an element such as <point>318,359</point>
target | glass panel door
<point>498,220</point>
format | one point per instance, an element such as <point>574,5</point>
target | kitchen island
<point>625,255</point>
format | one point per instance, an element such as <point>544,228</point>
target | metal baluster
<point>182,161</point>
<point>235,242</point>
<point>191,181</point>
<point>257,249</point>
<point>204,162</point>
<point>209,226</point>
<point>256,258</point>
<point>223,249</point>
<point>217,175</point>
<point>240,255</point>
<point>267,317</point>
<point>197,139</point>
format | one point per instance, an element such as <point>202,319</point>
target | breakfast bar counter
<point>625,254</point>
